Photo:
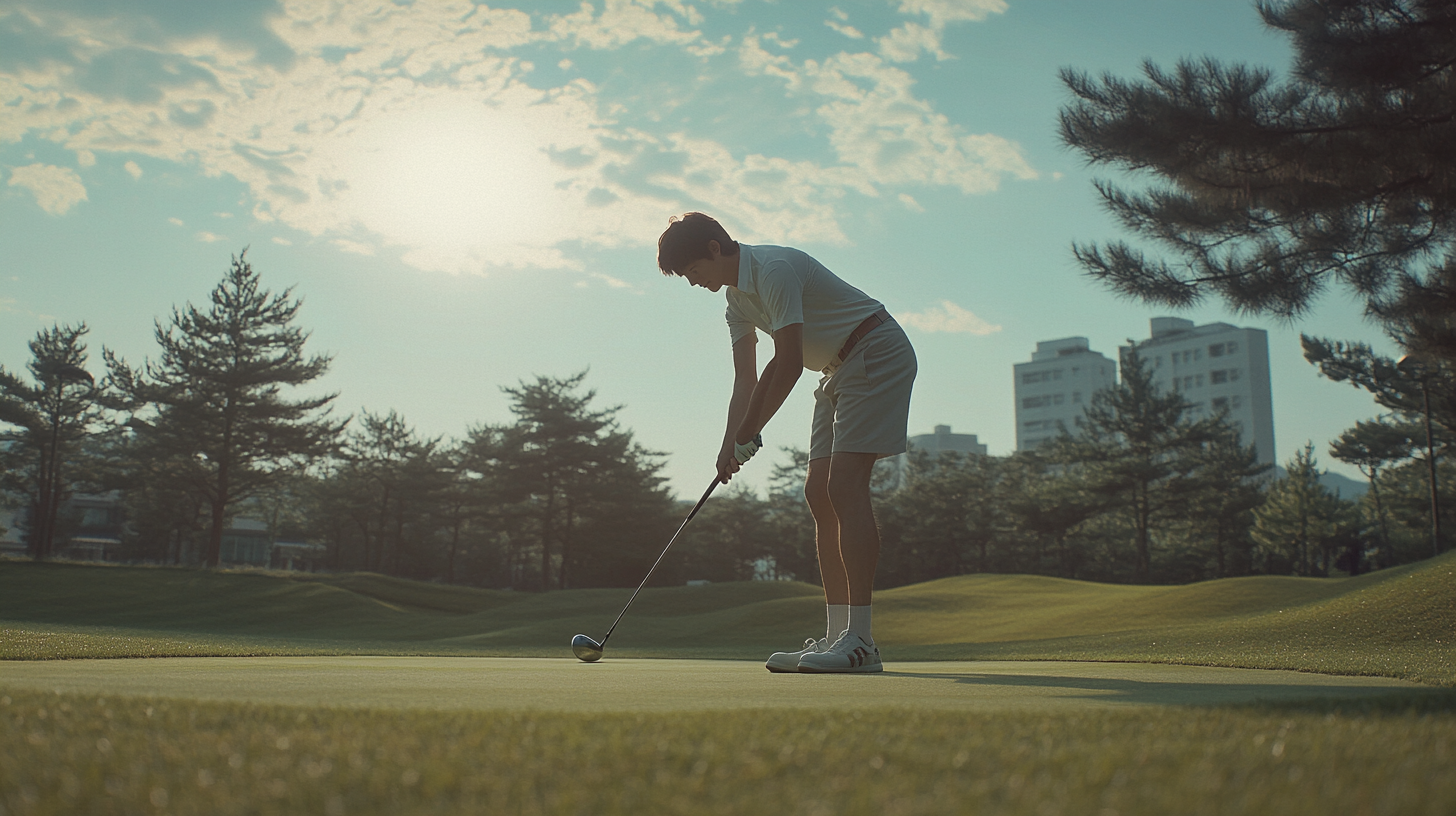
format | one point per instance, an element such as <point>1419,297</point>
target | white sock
<point>859,622</point>
<point>838,615</point>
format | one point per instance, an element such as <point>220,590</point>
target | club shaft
<point>682,527</point>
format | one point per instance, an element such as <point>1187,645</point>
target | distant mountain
<point>1339,484</point>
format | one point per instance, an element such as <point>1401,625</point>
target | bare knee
<point>849,483</point>
<point>847,493</point>
<point>816,487</point>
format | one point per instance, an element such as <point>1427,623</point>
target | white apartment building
<point>1054,388</point>
<point>1215,366</point>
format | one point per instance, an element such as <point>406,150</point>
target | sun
<point>453,176</point>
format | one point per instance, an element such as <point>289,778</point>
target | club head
<point>586,649</point>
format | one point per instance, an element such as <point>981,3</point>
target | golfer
<point>861,407</point>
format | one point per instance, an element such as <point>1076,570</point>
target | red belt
<point>868,325</point>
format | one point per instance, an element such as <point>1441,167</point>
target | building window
<point>1231,347</point>
<point>1188,383</point>
<point>1198,381</point>
<point>1198,354</point>
<point>1215,350</point>
<point>1220,403</point>
<point>1076,396</point>
<point>1237,401</point>
<point>1233,374</point>
<point>1217,377</point>
<point>1036,402</point>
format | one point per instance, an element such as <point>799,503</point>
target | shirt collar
<point>745,270</point>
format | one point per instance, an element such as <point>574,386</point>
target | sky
<point>467,196</point>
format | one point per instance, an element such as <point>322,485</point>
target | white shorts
<point>864,406</point>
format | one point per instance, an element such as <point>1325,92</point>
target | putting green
<point>623,685</point>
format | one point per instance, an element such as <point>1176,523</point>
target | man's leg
<point>859,554</point>
<point>831,568</point>
<point>826,534</point>
<point>859,537</point>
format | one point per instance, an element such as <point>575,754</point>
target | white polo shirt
<point>781,286</point>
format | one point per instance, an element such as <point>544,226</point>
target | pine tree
<point>51,417</point>
<point>563,469</point>
<point>1298,515</point>
<point>1138,451</point>
<point>1267,193</point>
<point>1220,512</point>
<point>396,479</point>
<point>1371,447</point>
<point>213,405</point>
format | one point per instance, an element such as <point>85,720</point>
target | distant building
<point>1054,388</point>
<point>939,441</point>
<point>11,543</point>
<point>1215,366</point>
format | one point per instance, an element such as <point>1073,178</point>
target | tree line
<point>562,496</point>
<point>1261,191</point>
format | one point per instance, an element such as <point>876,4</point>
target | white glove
<point>743,451</point>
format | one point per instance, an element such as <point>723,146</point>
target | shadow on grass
<point>1267,697</point>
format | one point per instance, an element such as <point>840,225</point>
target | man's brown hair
<point>686,240</point>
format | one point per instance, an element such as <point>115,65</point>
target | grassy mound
<point>1398,623</point>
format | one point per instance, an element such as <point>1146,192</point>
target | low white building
<point>1053,390</point>
<point>938,441</point>
<point>1215,366</point>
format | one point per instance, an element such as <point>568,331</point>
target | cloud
<point>209,237</point>
<point>424,129</point>
<point>949,318</point>
<point>56,189</point>
<point>133,169</point>
<point>905,43</point>
<point>623,21</point>
<point>942,12</point>
<point>845,29</point>
<point>176,222</point>
<point>910,203</point>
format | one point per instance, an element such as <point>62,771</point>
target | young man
<point>861,407</point>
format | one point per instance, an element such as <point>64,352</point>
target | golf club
<point>590,651</point>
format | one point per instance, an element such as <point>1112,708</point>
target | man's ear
<point>714,248</point>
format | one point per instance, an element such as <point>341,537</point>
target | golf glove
<point>743,451</point>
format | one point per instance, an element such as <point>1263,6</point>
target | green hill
<point>1399,622</point>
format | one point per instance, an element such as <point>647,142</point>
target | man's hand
<point>743,451</point>
<point>734,455</point>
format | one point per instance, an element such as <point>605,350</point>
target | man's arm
<point>745,377</point>
<point>778,379</point>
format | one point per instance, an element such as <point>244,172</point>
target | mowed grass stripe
<point>563,684</point>
<point>1398,623</point>
<point>68,753</point>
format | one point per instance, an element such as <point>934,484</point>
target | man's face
<point>714,272</point>
<point>699,273</point>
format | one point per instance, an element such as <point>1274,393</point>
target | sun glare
<point>453,178</point>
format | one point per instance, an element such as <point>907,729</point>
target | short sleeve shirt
<point>781,286</point>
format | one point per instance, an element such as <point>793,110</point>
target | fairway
<point>566,685</point>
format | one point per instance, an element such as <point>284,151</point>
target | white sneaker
<point>850,654</point>
<point>789,661</point>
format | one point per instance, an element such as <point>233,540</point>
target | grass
<point>68,753</point>
<point>1395,623</point>
<point>64,752</point>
